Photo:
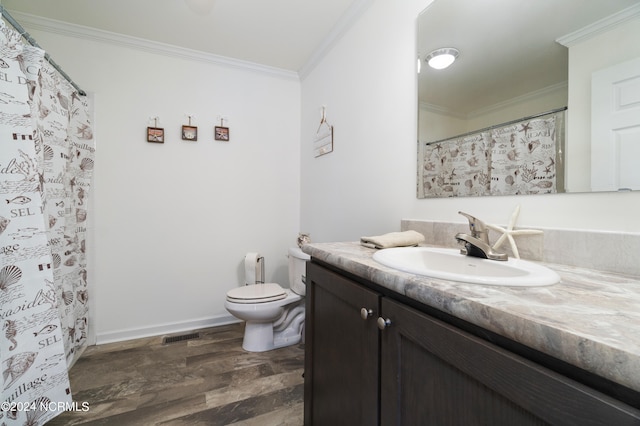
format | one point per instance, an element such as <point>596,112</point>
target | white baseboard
<point>158,330</point>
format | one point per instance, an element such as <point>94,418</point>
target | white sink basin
<point>449,264</point>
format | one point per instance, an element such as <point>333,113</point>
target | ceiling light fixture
<point>201,7</point>
<point>442,58</point>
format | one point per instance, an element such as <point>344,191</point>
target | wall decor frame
<point>221,133</point>
<point>155,134</point>
<point>323,142</point>
<point>189,133</point>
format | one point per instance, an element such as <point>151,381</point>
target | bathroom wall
<point>368,184</point>
<point>172,222</point>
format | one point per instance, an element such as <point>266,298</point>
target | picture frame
<point>155,134</point>
<point>221,133</point>
<point>189,133</point>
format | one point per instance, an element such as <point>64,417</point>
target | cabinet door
<point>436,374</point>
<point>341,351</point>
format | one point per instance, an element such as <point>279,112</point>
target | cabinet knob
<point>366,313</point>
<point>383,323</point>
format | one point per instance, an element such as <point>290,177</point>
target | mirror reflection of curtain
<point>523,157</point>
<point>46,162</point>
<point>456,168</point>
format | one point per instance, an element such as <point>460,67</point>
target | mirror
<point>518,60</point>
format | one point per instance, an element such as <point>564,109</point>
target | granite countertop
<point>590,319</point>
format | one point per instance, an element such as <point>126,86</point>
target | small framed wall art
<point>189,133</point>
<point>155,134</point>
<point>221,133</point>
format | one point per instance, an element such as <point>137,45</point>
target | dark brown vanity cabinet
<point>342,346</point>
<point>371,360</point>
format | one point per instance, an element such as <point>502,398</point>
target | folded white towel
<point>393,239</point>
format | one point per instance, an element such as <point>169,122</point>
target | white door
<point>615,127</point>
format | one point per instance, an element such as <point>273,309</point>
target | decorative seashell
<point>544,184</point>
<point>9,275</point>
<point>43,111</point>
<point>81,215</point>
<point>533,145</point>
<point>63,100</point>
<point>509,180</point>
<point>70,261</point>
<point>86,164</point>
<point>56,260</point>
<point>67,296</point>
<point>33,416</point>
<point>303,239</point>
<point>4,223</point>
<point>52,221</point>
<point>47,153</point>
<point>83,296</point>
<point>512,155</point>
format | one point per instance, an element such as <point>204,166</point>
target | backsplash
<point>603,251</point>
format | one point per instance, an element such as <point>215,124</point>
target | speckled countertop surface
<point>590,319</point>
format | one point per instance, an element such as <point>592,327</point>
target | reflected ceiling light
<point>201,7</point>
<point>442,58</point>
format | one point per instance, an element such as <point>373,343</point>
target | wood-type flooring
<point>206,381</point>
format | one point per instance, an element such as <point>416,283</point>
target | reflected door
<point>615,128</point>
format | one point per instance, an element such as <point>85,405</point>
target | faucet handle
<point>477,227</point>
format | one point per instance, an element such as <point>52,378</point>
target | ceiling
<point>507,48</point>
<point>283,34</point>
<point>288,34</point>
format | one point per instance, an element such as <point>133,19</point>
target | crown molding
<point>519,99</point>
<point>598,27</point>
<point>495,107</point>
<point>33,22</point>
<point>440,110</point>
<point>346,21</point>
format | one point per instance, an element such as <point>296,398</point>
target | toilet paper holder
<point>254,268</point>
<point>260,275</point>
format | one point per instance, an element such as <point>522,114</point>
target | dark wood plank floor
<point>206,381</point>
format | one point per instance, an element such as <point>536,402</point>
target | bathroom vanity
<point>387,347</point>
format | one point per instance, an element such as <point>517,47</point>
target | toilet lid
<point>257,293</point>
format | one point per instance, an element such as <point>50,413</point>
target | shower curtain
<point>523,157</point>
<point>46,163</point>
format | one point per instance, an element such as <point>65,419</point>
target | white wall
<point>369,182</point>
<point>173,221</point>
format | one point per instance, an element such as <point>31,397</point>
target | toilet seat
<point>257,293</point>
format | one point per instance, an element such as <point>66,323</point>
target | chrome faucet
<point>477,244</point>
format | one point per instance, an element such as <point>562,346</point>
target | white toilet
<point>274,315</point>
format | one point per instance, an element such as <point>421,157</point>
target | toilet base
<point>261,336</point>
<point>258,337</point>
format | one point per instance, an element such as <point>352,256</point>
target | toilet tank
<point>297,270</point>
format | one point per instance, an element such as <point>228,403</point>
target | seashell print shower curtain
<point>523,157</point>
<point>46,163</point>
